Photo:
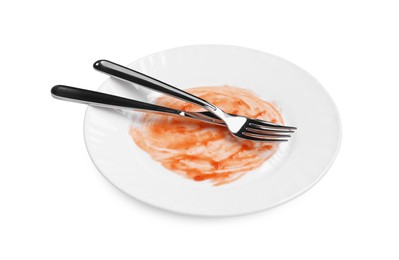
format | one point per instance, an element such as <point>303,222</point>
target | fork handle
<point>130,75</point>
<point>105,100</point>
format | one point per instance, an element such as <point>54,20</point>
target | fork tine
<point>269,129</point>
<point>266,132</point>
<point>272,130</point>
<point>268,124</point>
<point>256,137</point>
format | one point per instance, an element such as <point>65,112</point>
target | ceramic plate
<point>293,169</point>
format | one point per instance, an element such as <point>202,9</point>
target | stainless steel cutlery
<point>239,126</point>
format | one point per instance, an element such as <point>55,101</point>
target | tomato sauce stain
<point>201,151</point>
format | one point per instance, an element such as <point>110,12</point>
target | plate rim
<point>263,209</point>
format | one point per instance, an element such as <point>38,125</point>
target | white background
<point>55,205</point>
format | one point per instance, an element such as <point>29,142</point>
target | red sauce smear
<point>201,151</point>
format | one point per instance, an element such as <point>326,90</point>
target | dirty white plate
<point>296,167</point>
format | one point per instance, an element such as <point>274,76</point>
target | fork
<point>119,103</point>
<point>239,126</point>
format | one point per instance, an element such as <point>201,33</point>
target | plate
<point>296,166</point>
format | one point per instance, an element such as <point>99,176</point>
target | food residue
<point>202,151</point>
